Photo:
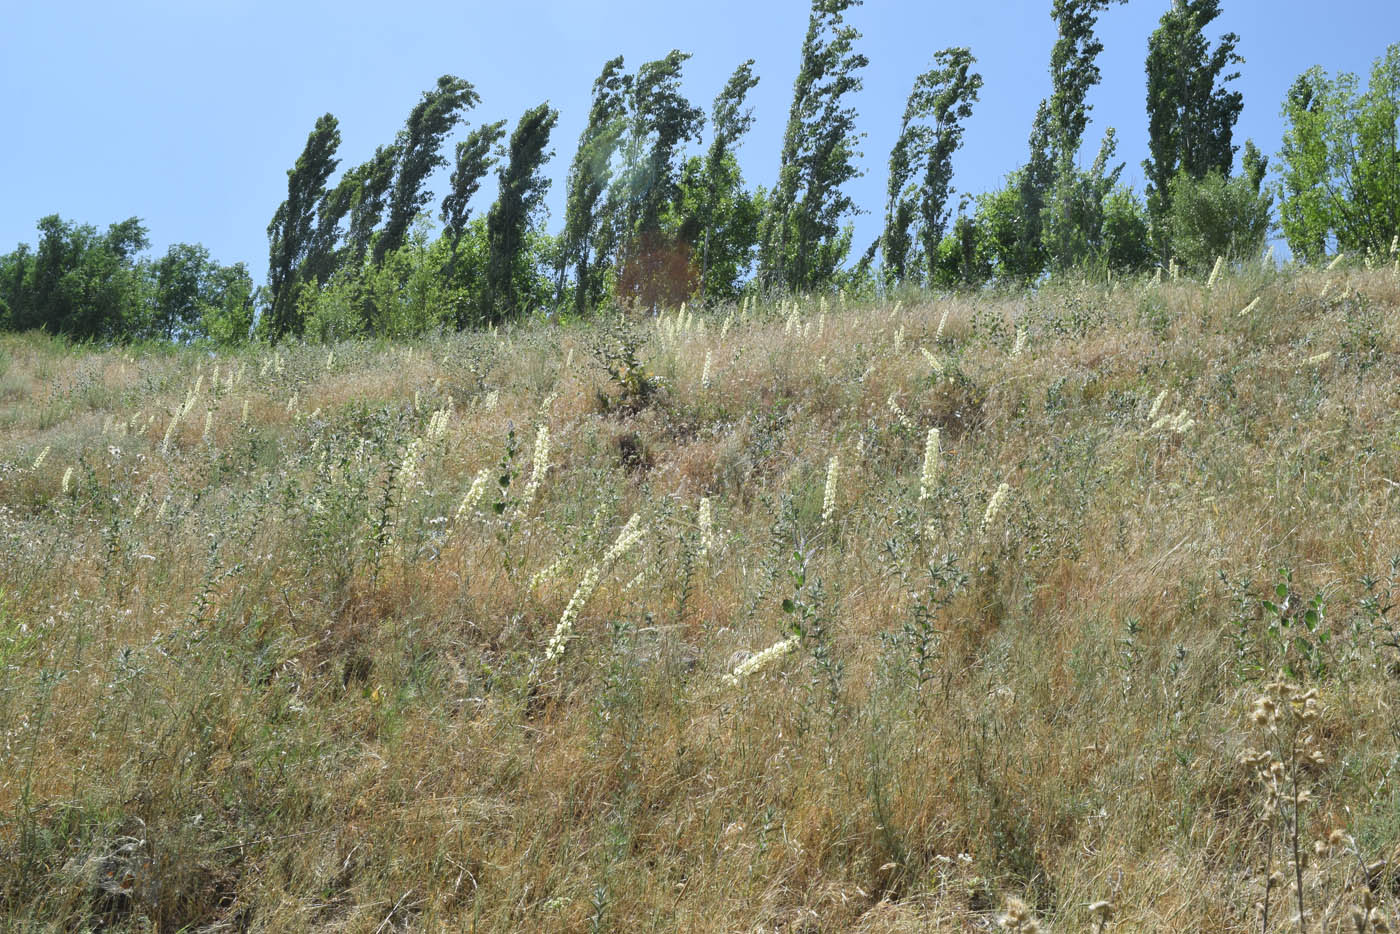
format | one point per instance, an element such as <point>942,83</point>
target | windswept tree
<point>921,163</point>
<point>722,188</point>
<point>474,160</point>
<point>369,184</point>
<point>660,121</point>
<point>290,235</point>
<point>512,218</point>
<point>590,176</point>
<point>1056,137</point>
<point>418,146</point>
<point>1191,114</point>
<point>803,241</point>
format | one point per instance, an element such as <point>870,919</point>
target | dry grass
<point>264,677</point>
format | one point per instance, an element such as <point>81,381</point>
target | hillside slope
<point>471,631</point>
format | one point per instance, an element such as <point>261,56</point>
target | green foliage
<point>1340,185</point>
<point>717,210</point>
<point>1190,113</point>
<point>590,176</point>
<point>654,265</point>
<point>1216,216</point>
<point>474,160</point>
<point>804,239</point>
<point>931,132</point>
<point>1073,221</point>
<point>513,217</point>
<point>720,213</point>
<point>418,146</point>
<point>290,233</point>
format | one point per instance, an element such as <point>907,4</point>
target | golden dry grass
<point>255,680</point>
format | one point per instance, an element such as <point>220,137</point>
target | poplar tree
<point>730,121</point>
<point>418,145</point>
<point>931,132</point>
<point>1191,114</point>
<point>802,241</point>
<point>1058,133</point>
<point>522,190</point>
<point>474,160</point>
<point>291,232</point>
<point>589,177</point>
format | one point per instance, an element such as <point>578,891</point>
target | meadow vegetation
<point>1068,608</point>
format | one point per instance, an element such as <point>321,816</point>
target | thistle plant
<point>1215,272</point>
<point>1019,346</point>
<point>1016,916</point>
<point>1292,755</point>
<point>39,461</point>
<point>705,371</point>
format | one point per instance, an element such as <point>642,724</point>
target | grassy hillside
<point>457,633</point>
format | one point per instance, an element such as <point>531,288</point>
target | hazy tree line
<point>657,210</point>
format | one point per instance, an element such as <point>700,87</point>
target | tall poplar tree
<point>522,190</point>
<point>290,234</point>
<point>419,145</point>
<point>1191,114</point>
<point>474,160</point>
<point>730,121</point>
<point>590,175</point>
<point>802,241</point>
<point>921,162</point>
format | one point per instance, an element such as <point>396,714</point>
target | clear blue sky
<point>187,113</point>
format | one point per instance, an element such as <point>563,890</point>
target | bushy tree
<point>1340,175</point>
<point>1217,216</point>
<point>78,282</point>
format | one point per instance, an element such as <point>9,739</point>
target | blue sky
<point>187,113</point>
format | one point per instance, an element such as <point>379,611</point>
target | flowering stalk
<point>754,662</point>
<point>474,494</point>
<point>994,505</point>
<point>541,465</point>
<point>829,500</point>
<point>631,533</point>
<point>1215,271</point>
<point>707,527</point>
<point>930,474</point>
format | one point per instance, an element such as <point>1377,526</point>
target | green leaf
<point>500,507</point>
<point>789,606</point>
<point>1281,591</point>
